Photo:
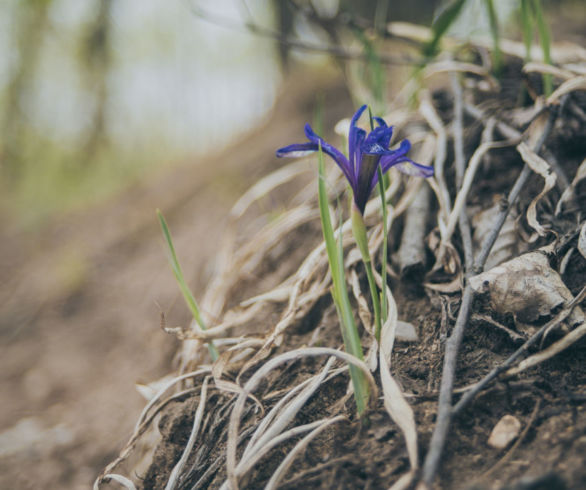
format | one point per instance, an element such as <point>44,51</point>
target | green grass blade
<point>494,30</point>
<point>326,222</point>
<point>383,273</point>
<point>545,41</point>
<point>527,28</point>
<point>375,70</point>
<point>187,294</point>
<point>441,25</point>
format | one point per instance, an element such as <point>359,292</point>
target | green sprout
<point>187,294</point>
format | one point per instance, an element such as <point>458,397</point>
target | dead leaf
<point>526,287</point>
<point>582,240</point>
<point>507,243</point>
<point>576,83</point>
<point>569,194</point>
<point>541,167</point>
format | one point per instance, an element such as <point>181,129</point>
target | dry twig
<point>445,410</point>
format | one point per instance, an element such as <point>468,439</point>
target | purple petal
<point>333,152</point>
<point>355,137</point>
<point>356,157</point>
<point>393,157</point>
<point>381,122</point>
<point>297,150</point>
<point>366,181</point>
<point>409,167</point>
<point>377,142</point>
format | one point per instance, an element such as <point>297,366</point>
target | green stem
<point>494,29</point>
<point>383,272</point>
<point>359,230</point>
<point>545,41</point>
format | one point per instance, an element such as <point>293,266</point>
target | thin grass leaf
<point>545,41</point>
<point>441,25</point>
<point>375,70</point>
<point>527,28</point>
<point>494,30</point>
<point>326,222</point>
<point>383,193</point>
<point>380,16</point>
<point>187,294</point>
<point>340,293</point>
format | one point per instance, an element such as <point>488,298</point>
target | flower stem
<point>359,231</point>
<point>383,272</point>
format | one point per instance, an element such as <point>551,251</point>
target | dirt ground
<point>80,327</point>
<point>80,322</point>
<point>548,400</point>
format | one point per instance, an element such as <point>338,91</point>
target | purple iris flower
<point>367,152</point>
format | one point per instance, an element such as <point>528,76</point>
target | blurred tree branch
<point>31,24</point>
<point>97,54</point>
<point>287,42</point>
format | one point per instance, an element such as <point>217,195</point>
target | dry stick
<point>411,254</point>
<point>444,414</point>
<point>478,387</point>
<point>259,30</point>
<point>460,164</point>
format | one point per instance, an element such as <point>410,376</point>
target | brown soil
<point>71,360</point>
<point>548,400</point>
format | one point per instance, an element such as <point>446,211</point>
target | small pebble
<point>505,431</point>
<point>406,332</point>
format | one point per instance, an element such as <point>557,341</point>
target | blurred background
<point>111,108</point>
<point>96,94</point>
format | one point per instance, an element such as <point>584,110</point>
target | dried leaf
<point>526,287</point>
<point>507,244</point>
<point>394,400</point>
<point>577,83</point>
<point>363,309</point>
<point>541,167</point>
<point>570,193</point>
<point>582,240</point>
<point>544,68</point>
<point>572,310</point>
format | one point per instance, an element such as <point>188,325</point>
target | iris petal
<point>355,137</point>
<point>409,167</point>
<point>333,152</point>
<point>297,150</point>
<point>356,154</point>
<point>393,157</point>
<point>377,142</point>
<point>381,122</point>
<point>364,185</point>
<point>366,152</point>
